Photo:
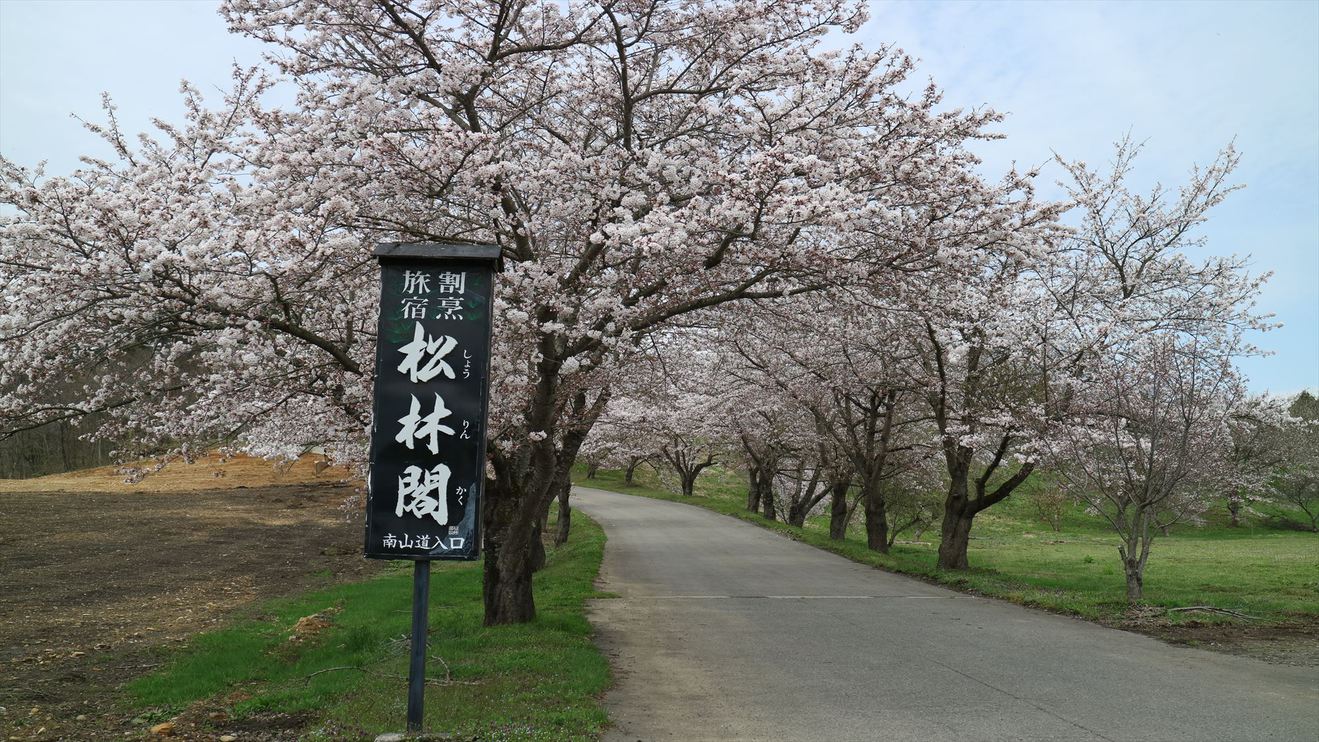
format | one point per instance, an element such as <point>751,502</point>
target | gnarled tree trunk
<point>960,509</point>
<point>955,535</point>
<point>538,555</point>
<point>525,484</point>
<point>509,558</point>
<point>838,510</point>
<point>565,515</point>
<point>955,540</point>
<point>876,518</point>
<point>631,469</point>
<point>806,500</point>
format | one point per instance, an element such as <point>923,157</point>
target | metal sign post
<point>421,587</point>
<point>428,429</point>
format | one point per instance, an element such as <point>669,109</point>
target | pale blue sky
<point>1073,77</point>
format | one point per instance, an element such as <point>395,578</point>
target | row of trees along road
<point>674,185</point>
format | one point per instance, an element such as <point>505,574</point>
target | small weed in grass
<point>347,678</point>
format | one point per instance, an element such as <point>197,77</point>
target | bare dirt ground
<point>94,585</point>
<point>1295,643</point>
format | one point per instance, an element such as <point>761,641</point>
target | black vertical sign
<point>428,433</point>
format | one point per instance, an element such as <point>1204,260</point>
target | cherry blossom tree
<point>826,366</point>
<point>636,161</point>
<point>982,355</point>
<point>1153,445</point>
<point>1155,388</point>
<point>790,467</point>
<point>1259,449</point>
<point>621,430</point>
<point>679,386</point>
<point>1297,481</point>
<point>595,452</point>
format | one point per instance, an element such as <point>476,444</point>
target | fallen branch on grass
<point>448,674</point>
<point>448,680</point>
<point>1212,609</point>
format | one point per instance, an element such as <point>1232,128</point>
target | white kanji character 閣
<point>424,492</point>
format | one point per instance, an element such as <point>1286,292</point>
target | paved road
<point>725,631</point>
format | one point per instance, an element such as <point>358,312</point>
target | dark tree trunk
<point>954,542</point>
<point>1135,552</point>
<point>631,470</point>
<point>1135,582</point>
<point>766,496</point>
<point>592,470</point>
<point>838,511</point>
<point>753,488</point>
<point>508,597</point>
<point>64,446</point>
<point>876,519</point>
<point>805,498</point>
<point>956,535</point>
<point>506,583</point>
<point>565,516</point>
<point>1234,513</point>
<point>767,506</point>
<point>686,466</point>
<point>517,500</point>
<point>538,542</point>
<point>957,512</point>
<point>797,513</point>
<point>806,501</point>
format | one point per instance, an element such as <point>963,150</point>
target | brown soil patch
<point>1294,643</point>
<point>95,586</point>
<point>209,472</point>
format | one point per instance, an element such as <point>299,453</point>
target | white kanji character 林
<point>417,427</point>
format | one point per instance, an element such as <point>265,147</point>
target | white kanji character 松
<point>424,345</point>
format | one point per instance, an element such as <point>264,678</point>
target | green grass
<point>537,681</point>
<point>1266,573</point>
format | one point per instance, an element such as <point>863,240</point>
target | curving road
<point>726,631</point>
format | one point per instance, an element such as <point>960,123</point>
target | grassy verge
<point>1265,573</point>
<point>345,678</point>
